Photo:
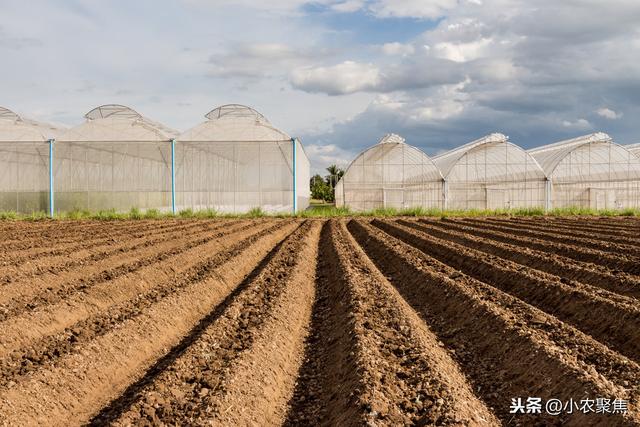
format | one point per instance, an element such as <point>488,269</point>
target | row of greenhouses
<point>118,159</point>
<point>236,160</point>
<point>590,171</point>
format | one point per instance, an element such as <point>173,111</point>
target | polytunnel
<point>390,174</point>
<point>590,171</point>
<point>117,159</point>
<point>237,160</point>
<point>24,163</point>
<point>491,173</point>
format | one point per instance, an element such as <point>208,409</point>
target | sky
<point>338,74</point>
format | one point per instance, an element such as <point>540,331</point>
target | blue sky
<point>339,74</point>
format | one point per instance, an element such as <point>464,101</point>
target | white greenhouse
<point>491,173</point>
<point>117,159</point>
<point>390,174</point>
<point>591,171</point>
<point>236,160</point>
<point>634,148</point>
<point>24,163</point>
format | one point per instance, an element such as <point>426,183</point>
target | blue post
<point>295,184</point>
<point>173,176</point>
<point>51,191</point>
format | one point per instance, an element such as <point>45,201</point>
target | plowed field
<point>400,321</point>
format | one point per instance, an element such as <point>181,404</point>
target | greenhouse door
<point>497,199</point>
<point>600,198</point>
<point>393,198</point>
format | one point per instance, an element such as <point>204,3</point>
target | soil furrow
<point>631,253</point>
<point>87,380</point>
<point>614,321</point>
<point>29,294</point>
<point>614,263</point>
<point>505,347</point>
<point>221,368</point>
<point>404,377</point>
<point>571,233</point>
<point>496,243</point>
<point>46,351</point>
<point>582,228</point>
<point>35,263</point>
<point>81,304</point>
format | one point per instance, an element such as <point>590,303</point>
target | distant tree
<point>320,189</point>
<point>335,173</point>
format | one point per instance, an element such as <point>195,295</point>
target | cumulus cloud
<point>344,78</point>
<point>608,113</point>
<point>396,48</point>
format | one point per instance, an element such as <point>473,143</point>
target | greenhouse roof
<point>446,161</point>
<point>234,123</point>
<point>15,128</point>
<point>386,145</point>
<point>113,122</point>
<point>549,156</point>
<point>634,148</point>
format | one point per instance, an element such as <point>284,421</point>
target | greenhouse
<point>491,173</point>
<point>590,171</point>
<point>236,161</point>
<point>634,148</point>
<point>117,159</point>
<point>390,174</point>
<point>24,163</point>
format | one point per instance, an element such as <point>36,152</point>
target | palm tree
<point>335,173</point>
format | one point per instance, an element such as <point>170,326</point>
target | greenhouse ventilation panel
<point>236,161</point>
<point>591,171</point>
<point>491,173</point>
<point>24,163</point>
<point>117,159</point>
<point>390,174</point>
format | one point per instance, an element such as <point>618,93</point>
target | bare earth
<point>407,321</point>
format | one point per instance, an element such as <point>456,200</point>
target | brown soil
<point>317,322</point>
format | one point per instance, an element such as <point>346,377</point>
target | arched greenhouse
<point>117,159</point>
<point>634,148</point>
<point>591,171</point>
<point>390,174</point>
<point>237,160</point>
<point>491,173</point>
<point>24,163</point>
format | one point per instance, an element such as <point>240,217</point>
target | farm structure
<point>292,322</point>
<point>590,171</point>
<point>634,148</point>
<point>236,160</point>
<point>118,159</point>
<point>24,162</point>
<point>390,174</point>
<point>491,173</point>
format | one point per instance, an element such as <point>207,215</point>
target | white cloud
<point>608,113</point>
<point>577,124</point>
<point>463,52</point>
<point>411,8</point>
<point>396,48</point>
<point>346,77</point>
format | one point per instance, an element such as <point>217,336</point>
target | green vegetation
<point>318,211</point>
<point>324,188</point>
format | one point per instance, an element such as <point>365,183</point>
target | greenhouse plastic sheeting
<point>24,176</point>
<point>391,174</point>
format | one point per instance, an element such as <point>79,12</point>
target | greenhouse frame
<point>236,160</point>
<point>590,171</point>
<point>491,173</point>
<point>25,147</point>
<point>634,148</point>
<point>390,174</point>
<point>118,159</point>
